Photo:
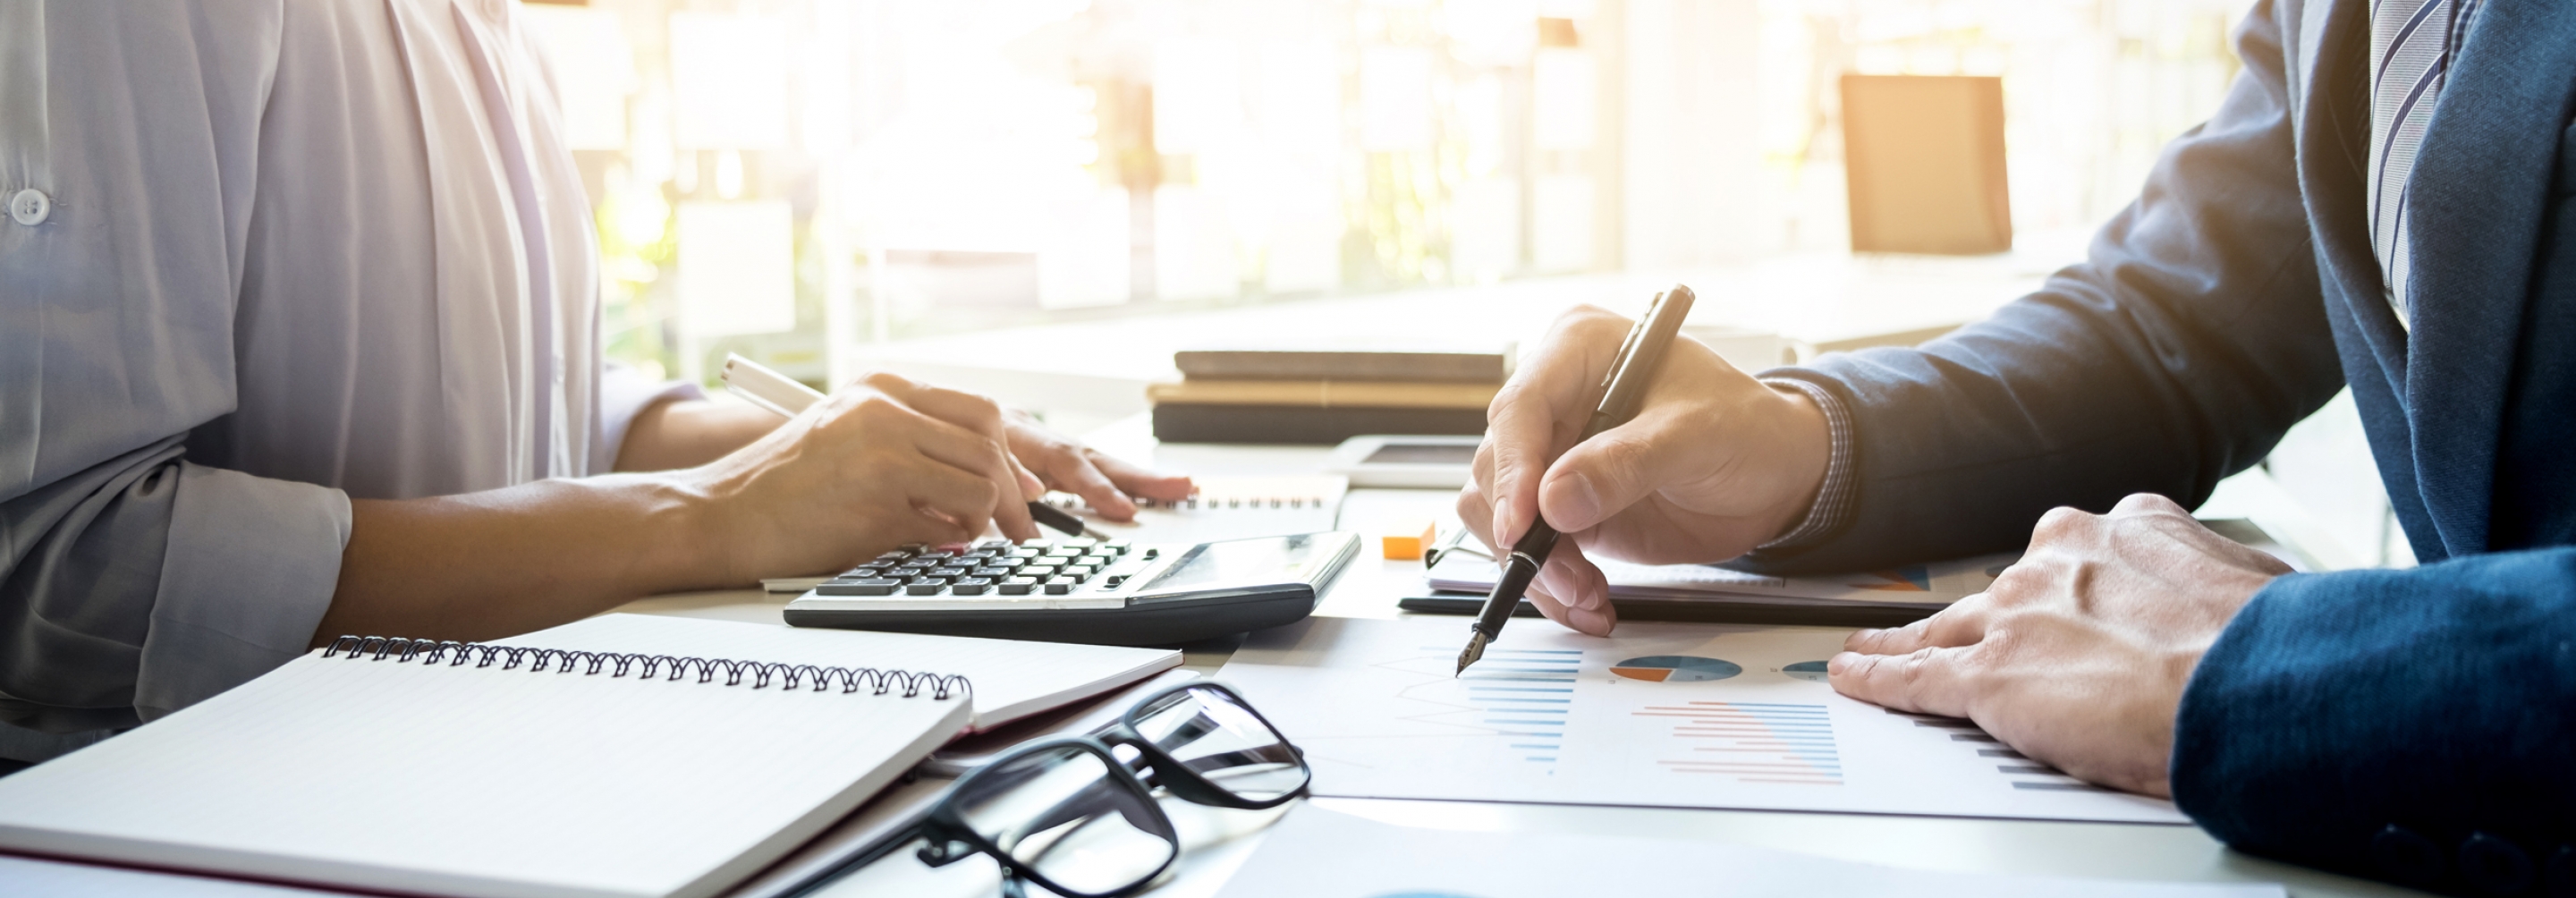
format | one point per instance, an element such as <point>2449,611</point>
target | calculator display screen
<point>1282,559</point>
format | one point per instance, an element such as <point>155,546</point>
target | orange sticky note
<point>1407,540</point>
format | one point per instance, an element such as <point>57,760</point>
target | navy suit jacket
<point>2415,725</point>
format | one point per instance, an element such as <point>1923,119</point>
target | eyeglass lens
<point>1058,813</point>
<point>1210,732</point>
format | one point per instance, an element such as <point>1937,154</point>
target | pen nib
<point>1475,649</point>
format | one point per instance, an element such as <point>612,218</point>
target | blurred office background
<point>818,183</point>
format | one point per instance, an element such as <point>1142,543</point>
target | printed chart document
<point>1316,853</point>
<point>1671,715</point>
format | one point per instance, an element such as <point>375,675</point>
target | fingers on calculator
<point>992,567</point>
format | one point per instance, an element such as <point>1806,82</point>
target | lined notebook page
<point>1012,679</point>
<point>479,782</point>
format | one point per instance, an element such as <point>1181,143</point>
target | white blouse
<point>258,257</point>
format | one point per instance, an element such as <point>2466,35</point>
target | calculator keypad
<point>991,567</point>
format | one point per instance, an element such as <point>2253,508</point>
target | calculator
<point>1117,592</point>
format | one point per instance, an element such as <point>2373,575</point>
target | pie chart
<point>1810,671</point>
<point>1675,669</point>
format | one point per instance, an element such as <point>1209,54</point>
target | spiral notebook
<point>1228,507</point>
<point>619,756</point>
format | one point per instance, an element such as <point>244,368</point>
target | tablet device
<point>1419,462</point>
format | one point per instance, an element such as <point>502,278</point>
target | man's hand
<point>1714,464</point>
<point>1061,463</point>
<point>2077,656</point>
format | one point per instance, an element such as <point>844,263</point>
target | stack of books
<point>1326,396</point>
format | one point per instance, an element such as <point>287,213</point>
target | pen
<point>756,384</point>
<point>1630,373</point>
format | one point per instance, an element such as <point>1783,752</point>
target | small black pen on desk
<point>1630,373</point>
<point>783,395</point>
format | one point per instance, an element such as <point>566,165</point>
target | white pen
<point>758,385</point>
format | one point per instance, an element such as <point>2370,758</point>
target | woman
<point>299,337</point>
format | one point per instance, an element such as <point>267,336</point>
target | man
<point>2387,199</point>
<point>299,337</point>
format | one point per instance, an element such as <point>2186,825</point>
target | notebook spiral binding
<point>618,664</point>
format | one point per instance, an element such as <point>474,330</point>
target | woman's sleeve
<point>145,584</point>
<point>624,393</point>
<point>133,582</point>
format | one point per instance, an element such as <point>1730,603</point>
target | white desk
<point>1370,588</point>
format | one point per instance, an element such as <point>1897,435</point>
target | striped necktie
<point>2411,43</point>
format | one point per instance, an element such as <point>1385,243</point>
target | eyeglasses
<point>1073,816</point>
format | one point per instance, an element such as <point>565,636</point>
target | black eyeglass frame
<point>945,828</point>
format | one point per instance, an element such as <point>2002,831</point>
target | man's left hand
<point>2076,656</point>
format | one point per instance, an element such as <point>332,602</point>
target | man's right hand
<point>1714,464</point>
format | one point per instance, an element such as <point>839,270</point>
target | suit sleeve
<point>2405,725</point>
<point>2191,337</point>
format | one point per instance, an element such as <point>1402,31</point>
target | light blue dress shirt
<point>289,252</point>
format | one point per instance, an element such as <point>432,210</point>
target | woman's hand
<point>1061,463</point>
<point>883,462</point>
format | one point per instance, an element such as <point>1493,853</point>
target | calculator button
<point>926,581</point>
<point>862,573</point>
<point>972,586</point>
<point>1118,546</point>
<point>875,587</point>
<point>948,572</point>
<point>923,589</point>
<point>995,573</point>
<point>1027,553</point>
<point>1151,552</point>
<point>1033,544</point>
<point>1065,552</point>
<point>935,554</point>
<point>1060,586</point>
<point>1114,581</point>
<point>1017,586</point>
<point>1003,545</point>
<point>1103,552</point>
<point>894,557</point>
<point>1012,561</point>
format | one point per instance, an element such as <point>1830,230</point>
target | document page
<point>1672,715</point>
<point>1316,853</point>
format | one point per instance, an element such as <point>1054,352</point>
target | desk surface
<point>1370,588</point>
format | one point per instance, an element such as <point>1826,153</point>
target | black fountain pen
<point>1630,373</point>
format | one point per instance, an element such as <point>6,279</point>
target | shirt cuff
<point>624,393</point>
<point>249,570</point>
<point>1834,499</point>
